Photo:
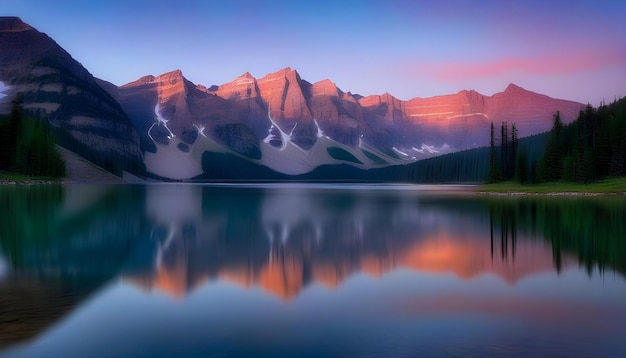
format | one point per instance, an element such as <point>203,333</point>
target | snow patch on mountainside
<point>289,159</point>
<point>171,162</point>
<point>431,149</point>
<point>398,151</point>
<point>200,129</point>
<point>278,152</point>
<point>160,121</point>
<point>283,137</point>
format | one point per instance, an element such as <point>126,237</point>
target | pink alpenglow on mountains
<point>288,124</point>
<point>279,123</point>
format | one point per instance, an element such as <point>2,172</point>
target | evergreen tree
<point>513,152</point>
<point>534,172</point>
<point>504,146</point>
<point>13,142</point>
<point>28,147</point>
<point>521,168</point>
<point>617,138</point>
<point>494,171</point>
<point>603,142</point>
<point>553,157</point>
<point>508,150</point>
<point>4,144</point>
<point>590,148</point>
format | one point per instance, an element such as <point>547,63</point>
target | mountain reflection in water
<point>284,240</point>
<point>62,244</point>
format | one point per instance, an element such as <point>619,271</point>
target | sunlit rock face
<point>462,120</point>
<point>338,113</point>
<point>171,97</point>
<point>278,120</point>
<point>283,92</point>
<point>53,86</point>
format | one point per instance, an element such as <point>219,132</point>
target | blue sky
<point>566,49</point>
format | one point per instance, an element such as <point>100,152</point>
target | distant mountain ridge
<point>280,121</point>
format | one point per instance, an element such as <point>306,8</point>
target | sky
<point>409,48</point>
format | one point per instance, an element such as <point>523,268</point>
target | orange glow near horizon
<point>441,253</point>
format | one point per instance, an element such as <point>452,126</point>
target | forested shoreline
<point>591,148</point>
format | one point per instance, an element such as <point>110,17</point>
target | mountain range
<point>280,125</point>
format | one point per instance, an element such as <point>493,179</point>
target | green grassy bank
<point>20,178</point>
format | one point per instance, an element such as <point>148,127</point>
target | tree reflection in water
<point>62,243</point>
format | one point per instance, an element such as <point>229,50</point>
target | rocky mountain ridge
<point>261,118</point>
<point>280,121</point>
<point>290,100</point>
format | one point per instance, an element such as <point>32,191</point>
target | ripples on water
<point>330,270</point>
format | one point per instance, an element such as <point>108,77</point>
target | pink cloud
<point>565,64</point>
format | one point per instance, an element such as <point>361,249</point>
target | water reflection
<point>590,229</point>
<point>284,240</point>
<point>62,244</point>
<point>59,246</point>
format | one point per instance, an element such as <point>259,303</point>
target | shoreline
<point>7,182</point>
<point>615,186</point>
<point>554,193</point>
<point>478,190</point>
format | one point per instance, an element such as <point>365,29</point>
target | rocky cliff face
<point>53,86</point>
<point>180,107</point>
<point>257,118</point>
<point>461,120</point>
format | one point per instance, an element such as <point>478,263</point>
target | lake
<point>308,270</point>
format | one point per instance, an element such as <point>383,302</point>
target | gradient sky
<point>566,49</point>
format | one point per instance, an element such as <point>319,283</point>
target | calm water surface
<point>308,270</point>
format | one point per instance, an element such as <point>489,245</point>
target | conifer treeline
<point>505,168</point>
<point>590,148</point>
<point>594,146</point>
<point>28,147</point>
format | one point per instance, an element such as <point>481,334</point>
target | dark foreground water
<point>398,271</point>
